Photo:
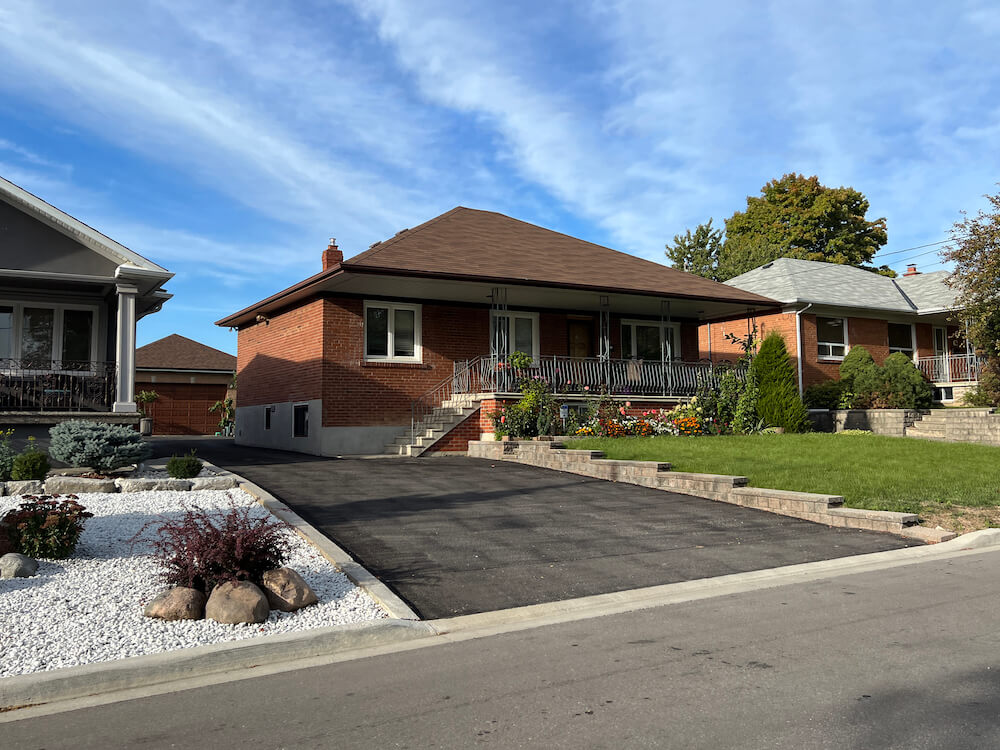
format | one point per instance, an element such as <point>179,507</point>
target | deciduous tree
<point>697,252</point>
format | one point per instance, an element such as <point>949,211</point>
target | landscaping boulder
<point>24,487</point>
<point>143,484</point>
<point>178,603</point>
<point>214,483</point>
<point>16,565</point>
<point>286,590</point>
<point>237,602</point>
<point>70,485</point>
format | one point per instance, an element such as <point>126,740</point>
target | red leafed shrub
<point>202,548</point>
<point>45,526</point>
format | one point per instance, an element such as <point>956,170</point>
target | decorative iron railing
<point>582,375</point>
<point>952,368</point>
<point>45,385</point>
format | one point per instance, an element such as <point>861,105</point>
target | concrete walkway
<point>458,535</point>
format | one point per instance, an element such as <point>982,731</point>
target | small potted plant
<point>146,423</point>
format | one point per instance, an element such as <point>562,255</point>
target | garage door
<point>182,408</point>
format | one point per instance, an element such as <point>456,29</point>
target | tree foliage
<point>697,252</point>
<point>797,217</point>
<point>778,404</point>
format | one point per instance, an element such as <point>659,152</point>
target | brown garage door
<point>182,408</point>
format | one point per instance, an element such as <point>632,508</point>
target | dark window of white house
<point>37,329</point>
<point>901,338</point>
<point>831,337</point>
<point>78,329</point>
<point>6,331</point>
<point>267,417</point>
<point>300,420</point>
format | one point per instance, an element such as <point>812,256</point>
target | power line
<point>916,247</point>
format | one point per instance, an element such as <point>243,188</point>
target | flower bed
<point>89,608</point>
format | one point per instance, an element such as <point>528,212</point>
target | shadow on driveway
<point>457,535</point>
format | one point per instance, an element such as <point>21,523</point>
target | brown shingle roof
<point>175,352</point>
<point>466,242</point>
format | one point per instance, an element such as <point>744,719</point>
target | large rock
<point>68,485</point>
<point>178,603</point>
<point>237,602</point>
<point>16,565</point>
<point>143,484</point>
<point>214,483</point>
<point>286,590</point>
<point>24,487</point>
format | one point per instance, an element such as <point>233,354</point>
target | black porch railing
<point>36,385</point>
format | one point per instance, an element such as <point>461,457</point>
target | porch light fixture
<point>263,319</point>
<point>604,300</point>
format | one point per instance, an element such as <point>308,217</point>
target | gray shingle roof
<point>790,280</point>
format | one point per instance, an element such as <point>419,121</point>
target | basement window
<point>268,411</point>
<point>300,420</point>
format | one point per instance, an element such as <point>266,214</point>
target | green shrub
<point>987,391</point>
<point>103,447</point>
<point>184,467</point>
<point>825,395</point>
<point>6,455</point>
<point>778,404</point>
<point>31,464</point>
<point>857,361</point>
<point>45,527</point>
<point>906,386</point>
<point>746,419</point>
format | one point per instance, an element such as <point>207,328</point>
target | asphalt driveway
<point>459,535</point>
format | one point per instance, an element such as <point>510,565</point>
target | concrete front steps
<point>959,425</point>
<point>441,420</point>
<point>818,508</point>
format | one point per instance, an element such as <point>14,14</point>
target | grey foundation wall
<point>321,441</point>
<point>880,421</point>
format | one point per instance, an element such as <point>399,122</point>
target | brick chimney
<point>332,255</point>
<point>911,270</point>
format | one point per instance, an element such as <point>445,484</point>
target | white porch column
<point>125,350</point>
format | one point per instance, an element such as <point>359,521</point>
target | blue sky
<point>228,141</point>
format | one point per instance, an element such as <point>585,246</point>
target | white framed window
<point>831,338</point>
<point>902,338</point>
<point>392,332</point>
<point>44,336</point>
<point>512,331</point>
<point>649,340</point>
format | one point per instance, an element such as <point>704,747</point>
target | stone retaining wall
<point>68,484</point>
<point>880,421</point>
<point>825,509</point>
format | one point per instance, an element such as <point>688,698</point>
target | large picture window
<point>514,332</point>
<point>392,332</point>
<point>48,337</point>
<point>648,340</point>
<point>901,339</point>
<point>831,337</point>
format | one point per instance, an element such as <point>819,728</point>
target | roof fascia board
<point>57,276</point>
<point>185,369</point>
<point>73,228</point>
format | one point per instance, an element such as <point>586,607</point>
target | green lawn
<point>870,471</point>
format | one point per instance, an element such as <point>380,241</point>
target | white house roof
<point>790,281</point>
<point>77,230</point>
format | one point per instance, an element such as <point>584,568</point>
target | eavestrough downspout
<point>798,340</point>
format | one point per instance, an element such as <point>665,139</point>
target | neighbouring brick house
<point>828,308</point>
<point>417,329</point>
<point>189,378</point>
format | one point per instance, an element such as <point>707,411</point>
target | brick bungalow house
<point>828,308</point>
<point>402,348</point>
<point>189,377</point>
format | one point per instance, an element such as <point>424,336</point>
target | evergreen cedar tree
<point>975,251</point>
<point>778,403</point>
<point>794,217</point>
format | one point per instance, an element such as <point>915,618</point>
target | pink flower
<point>628,404</point>
<point>622,410</point>
<point>503,419</point>
<point>586,387</point>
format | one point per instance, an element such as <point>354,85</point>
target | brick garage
<point>189,378</point>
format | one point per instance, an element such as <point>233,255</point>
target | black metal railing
<point>47,385</point>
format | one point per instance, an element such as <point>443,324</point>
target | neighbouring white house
<point>69,301</point>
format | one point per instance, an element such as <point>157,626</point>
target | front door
<point>581,338</point>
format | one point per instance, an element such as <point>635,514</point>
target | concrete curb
<point>378,591</point>
<point>173,666</point>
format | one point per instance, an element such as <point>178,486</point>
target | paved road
<point>459,535</point>
<point>902,658</point>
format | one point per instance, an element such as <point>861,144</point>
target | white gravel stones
<point>88,608</point>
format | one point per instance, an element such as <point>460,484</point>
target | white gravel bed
<point>88,608</point>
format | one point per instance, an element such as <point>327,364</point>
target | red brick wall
<point>721,349</point>
<point>553,334</point>
<point>925,339</point>
<point>282,359</point>
<point>458,439</point>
